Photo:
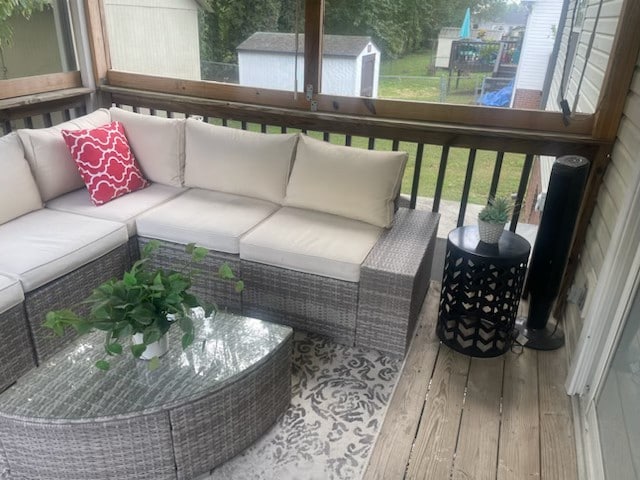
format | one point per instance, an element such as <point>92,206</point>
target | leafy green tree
<point>24,8</point>
<point>227,23</point>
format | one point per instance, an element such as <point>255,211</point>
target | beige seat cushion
<point>10,293</point>
<point>157,143</point>
<point>18,190</point>
<point>347,181</point>
<point>44,245</point>
<point>123,209</point>
<point>311,242</point>
<point>213,220</point>
<point>236,161</point>
<point>53,168</point>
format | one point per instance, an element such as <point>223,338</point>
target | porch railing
<point>431,145</point>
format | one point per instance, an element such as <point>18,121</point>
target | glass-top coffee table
<point>67,419</point>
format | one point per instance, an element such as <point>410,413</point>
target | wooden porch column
<point>98,41</point>
<point>313,30</point>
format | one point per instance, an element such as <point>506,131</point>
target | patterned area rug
<point>339,399</point>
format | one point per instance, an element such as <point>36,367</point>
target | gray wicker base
<point>66,291</point>
<point>17,354</point>
<point>179,438</point>
<point>394,280</point>
<point>301,300</point>
<point>207,286</point>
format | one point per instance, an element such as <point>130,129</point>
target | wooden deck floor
<point>456,417</point>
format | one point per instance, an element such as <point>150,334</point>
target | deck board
<point>557,440</point>
<point>519,448</point>
<point>501,418</point>
<point>403,417</point>
<point>435,443</point>
<point>477,452</point>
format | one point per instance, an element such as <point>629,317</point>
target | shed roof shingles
<point>336,45</point>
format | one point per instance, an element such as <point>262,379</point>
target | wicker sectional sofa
<point>310,227</point>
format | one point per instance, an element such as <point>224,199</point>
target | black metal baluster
<point>46,118</point>
<point>347,140</point>
<point>224,122</point>
<point>283,129</point>
<point>152,111</point>
<point>28,122</point>
<point>416,176</point>
<point>444,158</point>
<point>325,136</point>
<point>522,188</point>
<point>372,143</point>
<point>396,145</point>
<point>7,126</point>
<point>243,124</point>
<point>66,114</point>
<point>136,109</point>
<point>496,175</point>
<point>263,128</point>
<point>170,114</point>
<point>467,187</point>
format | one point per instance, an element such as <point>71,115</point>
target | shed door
<point>366,82</point>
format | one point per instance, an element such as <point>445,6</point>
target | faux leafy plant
<point>498,210</point>
<point>140,303</point>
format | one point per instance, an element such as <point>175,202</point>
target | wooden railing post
<point>314,20</point>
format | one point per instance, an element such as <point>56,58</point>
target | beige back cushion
<point>157,143</point>
<point>347,181</point>
<point>18,190</point>
<point>53,168</point>
<point>236,161</point>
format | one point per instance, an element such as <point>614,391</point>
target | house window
<point>36,42</point>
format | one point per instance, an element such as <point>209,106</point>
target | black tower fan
<point>551,249</point>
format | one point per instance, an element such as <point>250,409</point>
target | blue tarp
<point>499,98</point>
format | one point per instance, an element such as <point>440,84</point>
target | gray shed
<point>350,64</point>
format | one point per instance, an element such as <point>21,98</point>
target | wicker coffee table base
<point>179,442</point>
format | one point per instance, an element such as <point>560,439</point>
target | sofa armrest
<point>394,280</point>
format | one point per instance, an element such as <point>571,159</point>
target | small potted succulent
<point>492,219</point>
<point>141,306</point>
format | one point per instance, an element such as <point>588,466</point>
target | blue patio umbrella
<point>465,29</point>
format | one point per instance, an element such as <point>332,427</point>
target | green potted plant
<point>492,219</point>
<point>142,306</point>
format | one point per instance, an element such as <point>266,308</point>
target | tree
<point>24,8</point>
<point>228,23</point>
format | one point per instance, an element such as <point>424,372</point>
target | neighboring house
<point>604,309</point>
<point>537,47</point>
<point>165,33</point>
<point>447,35</point>
<point>350,64</point>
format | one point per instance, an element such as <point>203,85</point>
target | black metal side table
<point>481,288</point>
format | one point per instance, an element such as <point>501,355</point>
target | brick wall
<point>529,99</point>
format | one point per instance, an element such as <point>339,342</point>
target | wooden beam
<point>98,41</point>
<point>20,87</point>
<point>36,104</point>
<point>454,115</point>
<point>617,80</point>
<point>483,138</point>
<point>313,33</point>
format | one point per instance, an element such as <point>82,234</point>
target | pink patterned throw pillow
<point>105,161</point>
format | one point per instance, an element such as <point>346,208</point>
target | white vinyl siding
<point>538,44</point>
<point>595,65</point>
<point>154,37</point>
<point>625,162</point>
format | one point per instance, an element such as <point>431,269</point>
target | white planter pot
<point>490,232</point>
<point>155,349</point>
